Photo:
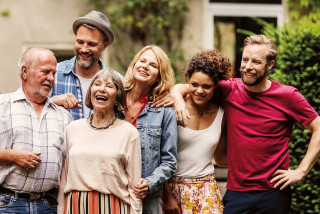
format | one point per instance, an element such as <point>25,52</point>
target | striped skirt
<point>94,203</point>
<point>197,195</point>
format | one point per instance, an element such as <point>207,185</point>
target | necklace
<point>103,127</point>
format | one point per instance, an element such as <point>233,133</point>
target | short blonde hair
<point>165,70</point>
<point>262,40</point>
<point>104,75</point>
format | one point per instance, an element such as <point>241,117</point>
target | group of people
<point>78,137</point>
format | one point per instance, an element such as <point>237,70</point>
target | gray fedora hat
<point>98,20</point>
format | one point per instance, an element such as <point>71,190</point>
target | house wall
<point>48,23</point>
<point>34,23</point>
<point>195,35</point>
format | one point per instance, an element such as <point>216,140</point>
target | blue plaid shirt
<point>66,81</point>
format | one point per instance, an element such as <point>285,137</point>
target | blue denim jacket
<point>158,137</point>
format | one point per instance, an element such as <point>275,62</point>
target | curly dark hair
<point>212,63</point>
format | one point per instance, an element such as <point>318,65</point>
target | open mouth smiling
<point>143,73</point>
<point>249,74</point>
<point>101,98</point>
<point>199,97</point>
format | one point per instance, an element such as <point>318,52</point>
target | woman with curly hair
<point>193,188</point>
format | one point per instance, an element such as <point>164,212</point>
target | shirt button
<point>142,162</point>
<point>142,146</point>
<point>142,130</point>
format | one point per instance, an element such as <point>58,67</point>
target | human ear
<point>105,44</point>
<point>271,64</point>
<point>24,72</point>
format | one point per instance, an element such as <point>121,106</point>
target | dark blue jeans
<point>272,201</point>
<point>12,204</point>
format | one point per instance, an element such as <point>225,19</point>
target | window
<point>61,50</point>
<point>249,1</point>
<point>228,16</point>
<point>62,55</point>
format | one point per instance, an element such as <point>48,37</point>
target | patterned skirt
<point>94,203</point>
<point>197,195</point>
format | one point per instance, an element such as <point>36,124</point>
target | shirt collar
<point>144,100</point>
<point>19,95</point>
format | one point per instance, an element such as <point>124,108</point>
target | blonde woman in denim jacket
<point>150,74</point>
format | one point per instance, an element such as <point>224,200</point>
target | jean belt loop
<point>16,195</point>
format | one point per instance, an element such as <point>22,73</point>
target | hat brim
<point>105,30</point>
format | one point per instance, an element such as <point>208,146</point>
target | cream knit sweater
<point>106,160</point>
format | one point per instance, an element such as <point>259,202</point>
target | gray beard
<point>87,64</point>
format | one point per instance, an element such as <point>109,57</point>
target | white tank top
<point>196,149</point>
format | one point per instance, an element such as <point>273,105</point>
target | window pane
<point>229,41</point>
<point>249,1</point>
<point>62,55</point>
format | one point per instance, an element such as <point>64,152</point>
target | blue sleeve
<point>168,151</point>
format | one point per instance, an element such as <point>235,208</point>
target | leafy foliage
<point>298,64</point>
<point>5,12</point>
<point>302,8</point>
<point>137,23</point>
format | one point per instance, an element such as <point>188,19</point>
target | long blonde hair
<point>166,81</point>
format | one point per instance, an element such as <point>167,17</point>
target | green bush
<point>298,65</point>
<point>137,23</point>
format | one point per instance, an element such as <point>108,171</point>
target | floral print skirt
<point>197,195</point>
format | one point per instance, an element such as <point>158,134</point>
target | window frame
<point>241,10</point>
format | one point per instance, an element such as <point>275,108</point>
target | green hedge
<point>298,65</point>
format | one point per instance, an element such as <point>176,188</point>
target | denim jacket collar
<point>149,108</point>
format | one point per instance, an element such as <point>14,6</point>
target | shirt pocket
<point>154,137</point>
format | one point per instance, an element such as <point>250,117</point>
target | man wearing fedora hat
<point>73,77</point>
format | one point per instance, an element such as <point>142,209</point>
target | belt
<point>29,196</point>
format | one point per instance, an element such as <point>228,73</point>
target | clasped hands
<point>141,188</point>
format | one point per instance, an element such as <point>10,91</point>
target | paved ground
<point>222,187</point>
<point>221,176</point>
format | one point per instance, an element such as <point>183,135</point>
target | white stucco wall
<point>195,33</point>
<point>34,23</point>
<point>48,23</point>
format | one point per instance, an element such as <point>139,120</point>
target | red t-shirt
<point>259,127</point>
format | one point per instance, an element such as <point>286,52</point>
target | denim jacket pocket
<point>154,137</point>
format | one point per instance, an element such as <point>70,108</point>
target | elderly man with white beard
<point>32,138</point>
